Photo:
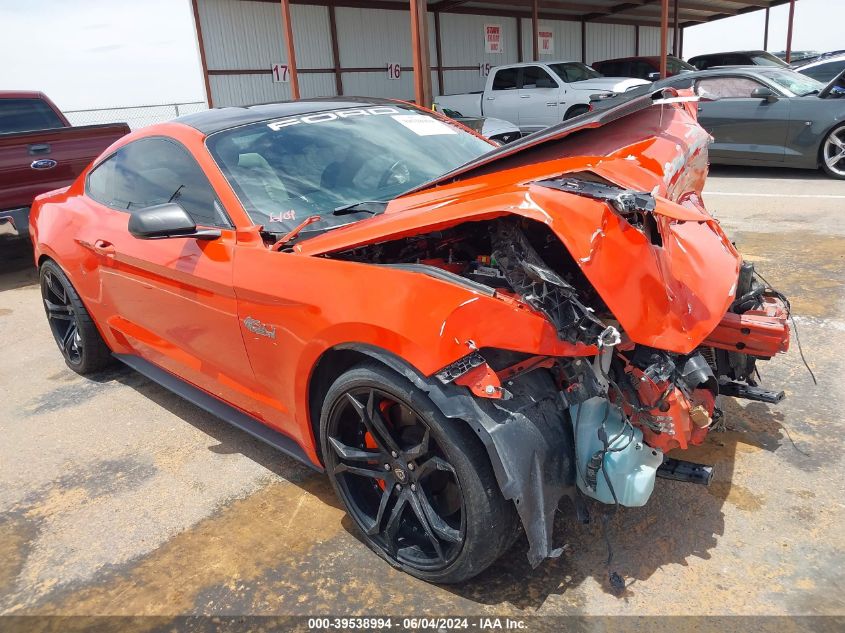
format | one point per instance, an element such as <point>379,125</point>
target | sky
<point>109,53</point>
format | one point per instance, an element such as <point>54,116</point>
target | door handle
<point>38,148</point>
<point>524,96</point>
<point>102,247</point>
<point>491,98</point>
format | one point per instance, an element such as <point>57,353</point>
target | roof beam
<point>445,5</point>
<point>617,8</point>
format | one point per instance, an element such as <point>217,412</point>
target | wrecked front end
<point>650,315</point>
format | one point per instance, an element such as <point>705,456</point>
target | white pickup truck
<point>535,95</point>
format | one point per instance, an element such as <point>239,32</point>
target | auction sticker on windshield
<point>423,125</point>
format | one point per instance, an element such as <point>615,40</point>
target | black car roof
<point>748,52</point>
<point>217,119</point>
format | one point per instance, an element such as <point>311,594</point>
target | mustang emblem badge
<point>400,474</point>
<point>257,327</point>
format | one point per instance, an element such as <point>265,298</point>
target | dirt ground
<point>117,497</point>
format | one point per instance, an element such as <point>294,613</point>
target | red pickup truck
<point>41,151</point>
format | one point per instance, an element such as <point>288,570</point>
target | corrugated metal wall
<point>650,40</point>
<point>243,39</point>
<point>608,41</point>
<point>462,44</point>
<point>567,40</point>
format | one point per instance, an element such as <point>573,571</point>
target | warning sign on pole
<point>547,42</point>
<point>493,38</point>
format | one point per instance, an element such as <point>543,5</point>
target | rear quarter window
<point>152,171</point>
<point>27,115</point>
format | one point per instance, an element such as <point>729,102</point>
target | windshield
<point>767,59</point>
<point>571,72</point>
<point>675,66</point>
<point>798,84</point>
<point>286,170</point>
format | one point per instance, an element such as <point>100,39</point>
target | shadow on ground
<point>16,264</point>
<point>643,540</point>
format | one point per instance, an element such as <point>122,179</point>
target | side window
<point>153,171</point>
<point>640,69</point>
<point>611,69</point>
<point>726,87</point>
<point>505,79</point>
<point>536,77</point>
<point>825,72</point>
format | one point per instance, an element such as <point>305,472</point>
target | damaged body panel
<point>561,311</point>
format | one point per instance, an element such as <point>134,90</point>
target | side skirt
<point>218,408</point>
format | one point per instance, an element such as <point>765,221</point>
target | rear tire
<point>832,153</point>
<point>387,446</point>
<point>78,339</point>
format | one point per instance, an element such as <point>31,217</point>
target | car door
<point>502,100</point>
<point>170,300</point>
<point>744,128</point>
<point>539,96</point>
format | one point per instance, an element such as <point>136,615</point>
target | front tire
<point>833,153</point>
<point>419,486</point>
<point>78,339</point>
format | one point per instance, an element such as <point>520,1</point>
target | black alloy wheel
<point>61,317</point>
<point>400,488</point>
<point>73,329</point>
<point>418,486</point>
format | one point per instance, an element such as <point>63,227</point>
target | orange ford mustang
<point>459,334</point>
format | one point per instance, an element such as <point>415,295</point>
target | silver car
<point>770,117</point>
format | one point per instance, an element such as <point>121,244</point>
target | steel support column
<point>789,31</point>
<point>664,33</point>
<point>288,30</point>
<point>438,52</point>
<point>535,25</point>
<point>419,42</point>
<point>681,44</point>
<point>675,29</point>
<point>203,62</point>
<point>637,40</point>
<point>583,41</point>
<point>338,76</point>
<point>519,40</point>
<point>766,32</point>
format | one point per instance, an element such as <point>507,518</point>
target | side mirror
<point>764,93</point>
<point>653,76</point>
<point>166,220</point>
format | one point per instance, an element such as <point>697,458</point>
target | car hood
<point>614,84</point>
<point>668,292</point>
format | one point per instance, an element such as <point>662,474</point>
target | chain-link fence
<point>135,116</point>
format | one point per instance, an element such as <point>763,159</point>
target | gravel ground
<point>116,497</point>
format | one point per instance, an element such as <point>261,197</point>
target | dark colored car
<point>40,151</point>
<point>737,58</point>
<point>641,67</point>
<point>824,68</point>
<point>769,117</point>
